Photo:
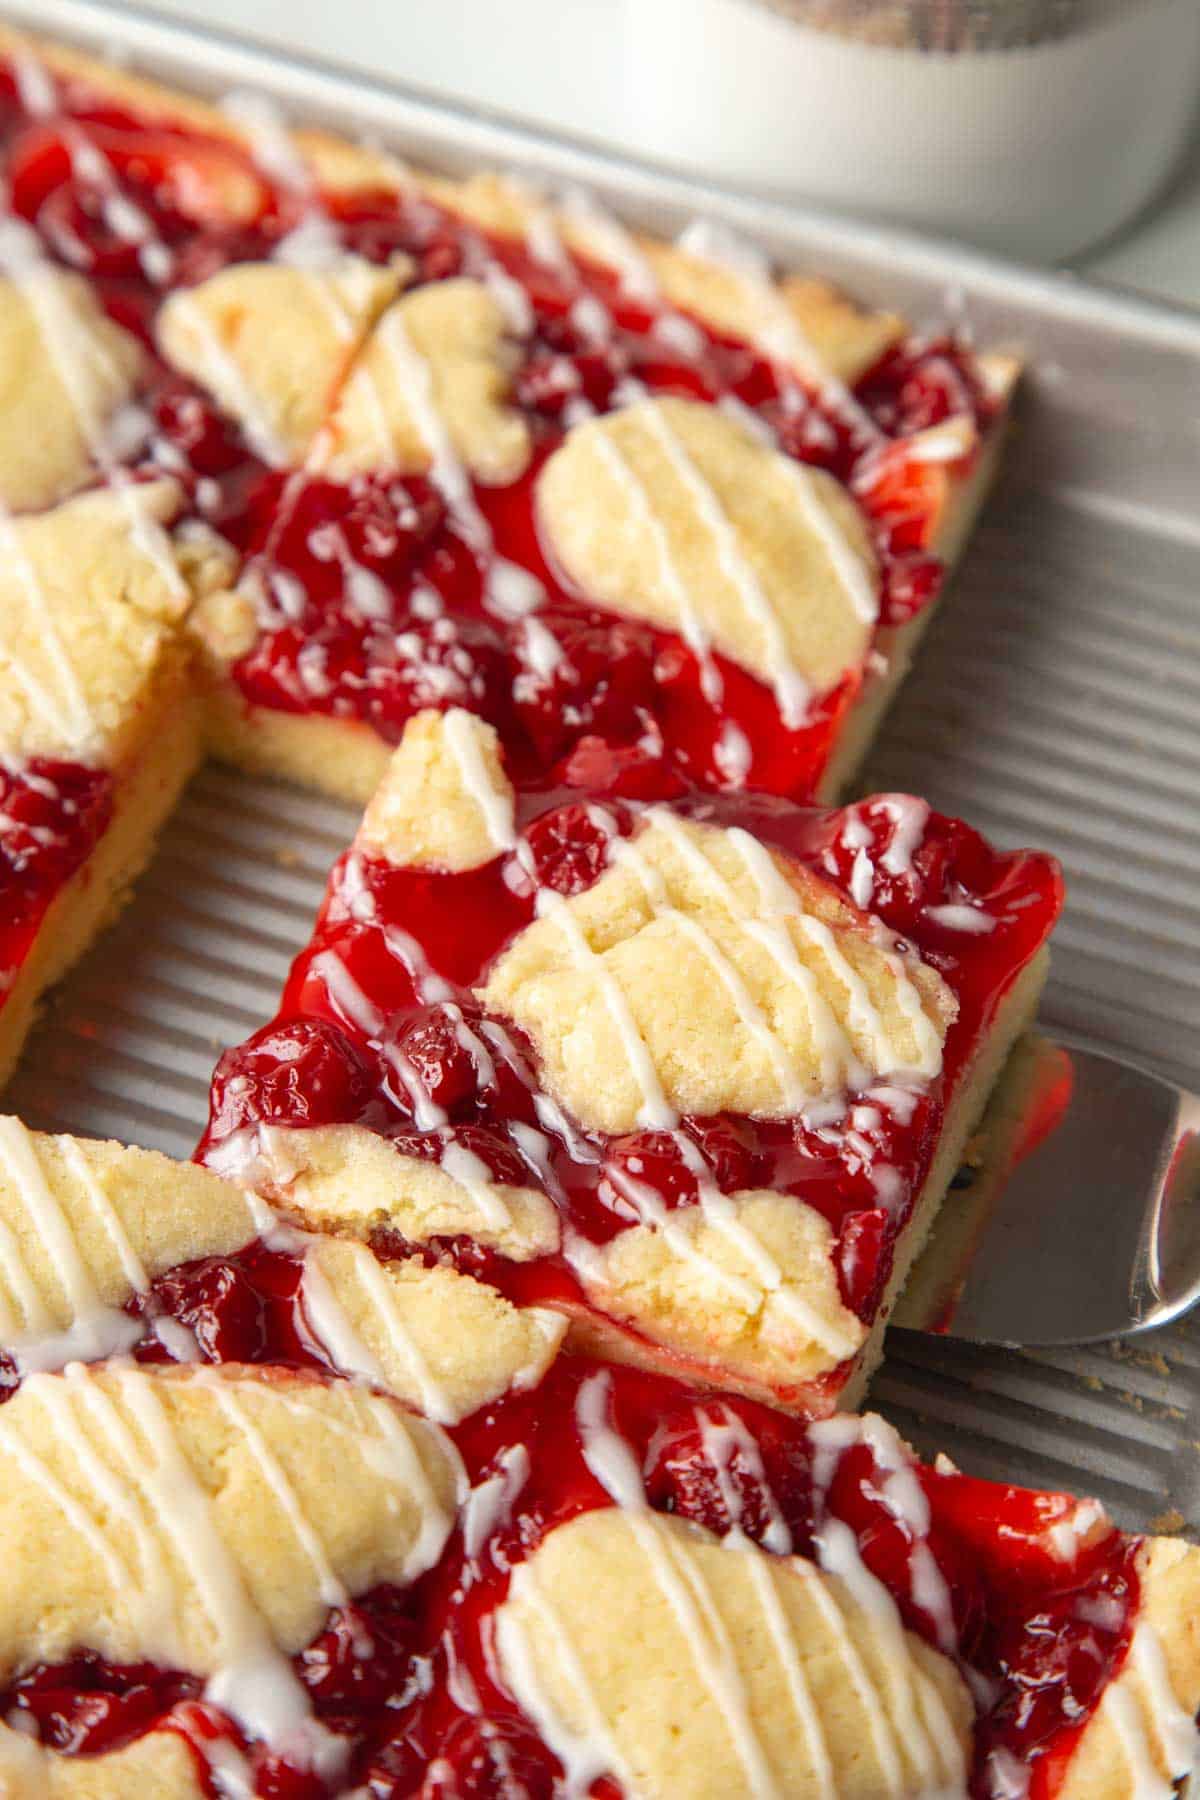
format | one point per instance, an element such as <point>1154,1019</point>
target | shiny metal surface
<point>1088,1228</point>
<point>1055,701</point>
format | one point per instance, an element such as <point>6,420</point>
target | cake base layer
<point>146,789</point>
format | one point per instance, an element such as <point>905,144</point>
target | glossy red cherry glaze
<point>359,1041</point>
<point>51,815</point>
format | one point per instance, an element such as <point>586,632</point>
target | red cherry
<point>86,1706</point>
<point>208,442</point>
<point>435,1044</point>
<point>602,682</point>
<point>681,1476</point>
<point>364,1657</point>
<point>570,846</point>
<point>302,1072</point>
<point>217,1302</point>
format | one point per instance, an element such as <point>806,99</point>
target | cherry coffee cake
<point>463,1423</point>
<point>694,1068</point>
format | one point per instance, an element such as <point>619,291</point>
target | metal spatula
<point>1082,1220</point>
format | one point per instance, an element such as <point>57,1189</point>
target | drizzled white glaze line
<point>694,632</point>
<point>255,1683</point>
<point>327,1323</point>
<point>615,245</point>
<point>791,1091</point>
<point>93,1329</point>
<point>887,1754</point>
<point>1147,1782</point>
<point>682,1584</point>
<point>472,1173</point>
<point>840,1066</point>
<point>799,1691</point>
<point>483,1511</point>
<point>1174,1727</point>
<point>655,1112</point>
<point>860,1007</point>
<point>926,1730</point>
<point>605,1451</point>
<point>791,690</point>
<point>852,573</point>
<point>781,337</point>
<point>834,1049</point>
<point>71,348</point>
<point>31,1466</point>
<point>396,1455</point>
<point>132,1267</point>
<point>721,1438</point>
<point>66,712</point>
<point>330,1588</point>
<point>585,1755</point>
<point>494,805</point>
<point>415,381</point>
<point>434,1399</point>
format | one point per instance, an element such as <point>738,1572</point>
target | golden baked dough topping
<point>671,511</point>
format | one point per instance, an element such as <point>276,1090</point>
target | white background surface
<point>564,63</point>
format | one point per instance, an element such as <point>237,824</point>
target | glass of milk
<point>1030,126</point>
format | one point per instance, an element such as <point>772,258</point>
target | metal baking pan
<point>1055,702</point>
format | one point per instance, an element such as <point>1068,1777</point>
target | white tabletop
<point>563,63</point>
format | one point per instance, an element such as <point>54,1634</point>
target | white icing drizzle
<point>625,851</point>
<point>1146,1779</point>
<point>799,1692</point>
<point>724,1437</point>
<point>1173,1726</point>
<point>780,336</point>
<point>605,1451</point>
<point>778,902</point>
<point>791,690</point>
<point>494,804</point>
<point>329,1586</point>
<point>329,1327</point>
<point>614,244</point>
<point>681,1582</point>
<point>94,1329</point>
<point>969,919</point>
<point>654,1110</point>
<point>692,628</point>
<point>909,818</point>
<point>63,706</point>
<point>447,472</point>
<point>848,566</point>
<point>161,1502</point>
<point>73,347</point>
<point>472,1173</point>
<point>487,1506</point>
<point>587,1754</point>
<point>925,1728</point>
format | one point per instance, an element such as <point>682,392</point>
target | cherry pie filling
<point>51,816</point>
